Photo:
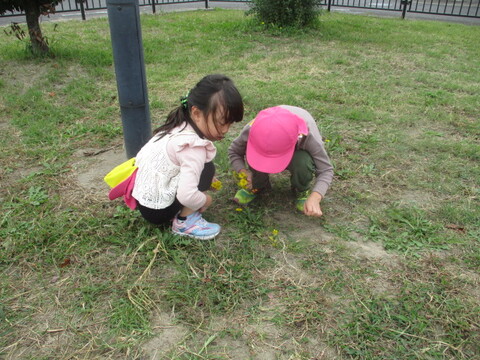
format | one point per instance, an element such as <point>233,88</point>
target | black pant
<point>164,216</point>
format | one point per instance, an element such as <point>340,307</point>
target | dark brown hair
<point>213,95</point>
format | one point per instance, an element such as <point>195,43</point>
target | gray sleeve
<point>323,166</point>
<point>238,149</point>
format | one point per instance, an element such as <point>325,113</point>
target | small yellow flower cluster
<point>243,182</point>
<point>274,237</point>
<point>217,185</point>
<point>242,179</point>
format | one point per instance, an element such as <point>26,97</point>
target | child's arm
<point>313,144</point>
<point>238,149</point>
<point>323,166</point>
<point>191,158</point>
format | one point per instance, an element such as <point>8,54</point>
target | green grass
<point>389,272</point>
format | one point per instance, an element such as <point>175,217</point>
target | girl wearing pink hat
<point>283,138</point>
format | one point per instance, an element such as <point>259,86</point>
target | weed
<point>407,229</point>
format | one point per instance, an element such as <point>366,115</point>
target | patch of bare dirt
<point>417,198</point>
<point>91,165</point>
<point>303,228</point>
<point>369,250</point>
<point>25,78</point>
<point>372,253</point>
<point>257,338</point>
<point>4,126</point>
<point>288,267</point>
<point>168,336</point>
<point>381,262</point>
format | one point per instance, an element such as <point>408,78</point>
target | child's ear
<point>195,114</point>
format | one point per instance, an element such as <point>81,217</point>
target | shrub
<point>285,13</point>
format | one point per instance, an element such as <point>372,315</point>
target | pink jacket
<point>189,152</point>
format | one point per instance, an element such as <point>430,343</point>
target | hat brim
<point>268,164</point>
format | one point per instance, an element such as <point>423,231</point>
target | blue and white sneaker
<point>195,226</point>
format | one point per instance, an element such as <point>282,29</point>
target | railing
<point>468,8</point>
<point>465,8</point>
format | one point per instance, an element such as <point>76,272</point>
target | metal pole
<point>125,30</point>
<point>329,5</point>
<point>405,3</point>
<point>206,4</point>
<point>82,9</point>
<point>153,6</point>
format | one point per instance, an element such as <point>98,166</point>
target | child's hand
<point>207,203</point>
<point>312,205</point>
<point>249,177</point>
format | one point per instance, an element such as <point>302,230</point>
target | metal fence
<point>465,8</point>
<point>84,6</point>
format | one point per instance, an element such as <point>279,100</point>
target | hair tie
<point>184,100</point>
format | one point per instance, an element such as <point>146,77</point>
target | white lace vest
<point>157,176</point>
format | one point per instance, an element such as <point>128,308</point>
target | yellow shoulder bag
<point>120,173</point>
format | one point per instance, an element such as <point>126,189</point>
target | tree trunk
<point>32,13</point>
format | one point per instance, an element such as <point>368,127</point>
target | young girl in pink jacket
<point>175,168</point>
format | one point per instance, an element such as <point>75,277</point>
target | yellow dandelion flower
<point>243,183</point>
<point>275,232</point>
<point>238,209</point>
<point>217,185</point>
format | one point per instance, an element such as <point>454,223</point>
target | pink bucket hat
<point>272,139</point>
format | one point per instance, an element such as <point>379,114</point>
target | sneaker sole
<point>205,237</point>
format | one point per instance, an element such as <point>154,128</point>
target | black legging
<point>164,216</point>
